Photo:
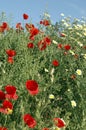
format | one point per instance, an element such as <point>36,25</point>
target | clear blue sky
<point>34,8</point>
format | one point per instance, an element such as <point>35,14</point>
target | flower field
<point>43,75</point>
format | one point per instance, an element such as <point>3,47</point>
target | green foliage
<point>32,64</point>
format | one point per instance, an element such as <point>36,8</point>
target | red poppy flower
<point>62,35</point>
<point>30,45</point>
<point>29,120</point>
<point>11,92</point>
<point>32,37</point>
<point>29,26</point>
<point>2,95</point>
<point>34,31</point>
<point>1,29</point>
<point>5,25</point>
<point>7,107</point>
<point>59,122</point>
<point>18,26</point>
<point>3,128</point>
<point>60,46</point>
<point>45,22</point>
<point>32,87</point>
<point>11,53</point>
<point>7,104</point>
<point>67,47</point>
<point>47,40</point>
<point>55,62</point>
<point>42,45</point>
<point>25,16</point>
<point>10,60</point>
<point>10,89</point>
<point>41,22</point>
<point>45,129</point>
<point>3,110</point>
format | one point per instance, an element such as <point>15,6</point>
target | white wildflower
<point>84,56</point>
<point>62,14</point>
<point>71,52</point>
<point>68,90</point>
<point>79,26</point>
<point>55,42</point>
<point>66,24</point>
<point>78,72</point>
<point>3,71</point>
<point>47,15</point>
<point>63,20</point>
<point>46,70</point>
<point>73,103</point>
<point>51,96</point>
<point>66,70</point>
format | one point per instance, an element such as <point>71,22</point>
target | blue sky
<point>35,8</point>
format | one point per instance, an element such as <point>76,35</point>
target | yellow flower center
<point>9,111</point>
<point>57,128</point>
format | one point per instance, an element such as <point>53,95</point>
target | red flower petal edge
<point>59,122</point>
<point>2,95</point>
<point>29,120</point>
<point>3,128</point>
